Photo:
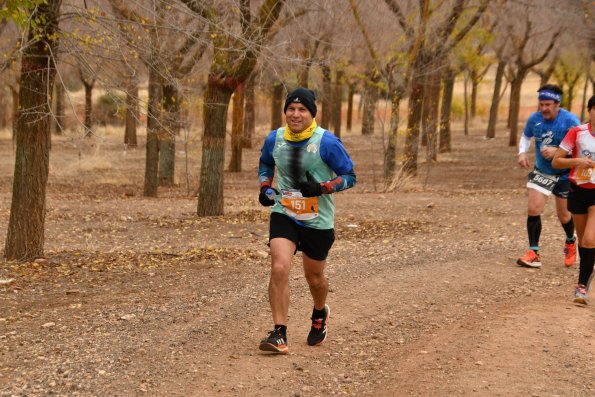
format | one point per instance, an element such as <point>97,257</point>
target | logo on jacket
<point>311,148</point>
<point>548,138</point>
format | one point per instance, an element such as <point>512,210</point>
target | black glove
<point>264,199</point>
<point>310,189</point>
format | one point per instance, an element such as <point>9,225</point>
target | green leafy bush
<point>110,109</point>
<point>457,108</point>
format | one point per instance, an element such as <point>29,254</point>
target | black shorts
<point>580,199</point>
<point>562,188</point>
<point>316,243</point>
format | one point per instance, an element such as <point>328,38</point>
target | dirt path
<point>142,298</point>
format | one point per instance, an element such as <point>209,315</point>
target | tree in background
<point>88,79</point>
<point>567,73</point>
<point>498,45</point>
<point>325,98</point>
<point>547,68</point>
<point>132,112</point>
<point>10,45</point>
<point>234,58</point>
<point>444,132</point>
<point>237,129</point>
<point>60,102</point>
<point>479,61</point>
<point>336,121</point>
<point>249,111</point>
<point>435,32</point>
<point>276,105</point>
<point>169,55</point>
<point>472,57</point>
<point>395,72</point>
<point>522,64</point>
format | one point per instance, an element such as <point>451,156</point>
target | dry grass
<point>104,159</point>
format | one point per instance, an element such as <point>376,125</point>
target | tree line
<point>223,51</point>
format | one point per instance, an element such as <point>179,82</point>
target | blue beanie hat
<point>304,96</point>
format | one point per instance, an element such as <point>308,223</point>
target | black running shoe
<point>318,332</point>
<point>274,343</point>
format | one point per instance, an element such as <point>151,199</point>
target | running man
<point>580,143</point>
<point>548,127</point>
<point>311,164</point>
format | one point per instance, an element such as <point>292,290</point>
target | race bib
<point>541,182</point>
<point>297,206</point>
<point>585,175</point>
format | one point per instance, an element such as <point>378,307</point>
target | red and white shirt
<point>580,141</point>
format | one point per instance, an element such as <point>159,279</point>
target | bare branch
<point>394,7</point>
<point>14,54</point>
<point>358,20</point>
<point>463,32</point>
<point>245,14</point>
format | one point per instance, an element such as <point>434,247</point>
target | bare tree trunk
<point>153,128</point>
<point>210,195</point>
<point>570,94</point>
<point>429,115</point>
<point>546,73</point>
<point>543,79</point>
<point>167,135</point>
<point>424,113</point>
<point>362,101</point>
<point>585,87</point>
<point>390,156</point>
<point>515,105</point>
<point>491,132</point>
<point>59,112</point>
<point>15,111</point>
<point>5,115</point>
<point>370,99</point>
<point>350,96</point>
<point>326,100</point>
<point>414,116</point>
<point>509,118</point>
<point>237,129</point>
<point>447,94</point>
<point>466,103</point>
<point>475,78</point>
<point>430,121</point>
<point>415,109</point>
<point>337,101</point>
<point>277,106</point>
<point>132,112</point>
<point>304,76</point>
<point>88,107</point>
<point>249,113</point>
<point>563,103</point>
<point>26,226</point>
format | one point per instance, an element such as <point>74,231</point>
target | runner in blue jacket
<point>547,127</point>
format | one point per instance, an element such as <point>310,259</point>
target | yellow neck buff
<point>299,136</point>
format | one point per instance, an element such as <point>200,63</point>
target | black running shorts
<point>580,199</point>
<point>562,188</point>
<point>315,243</point>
